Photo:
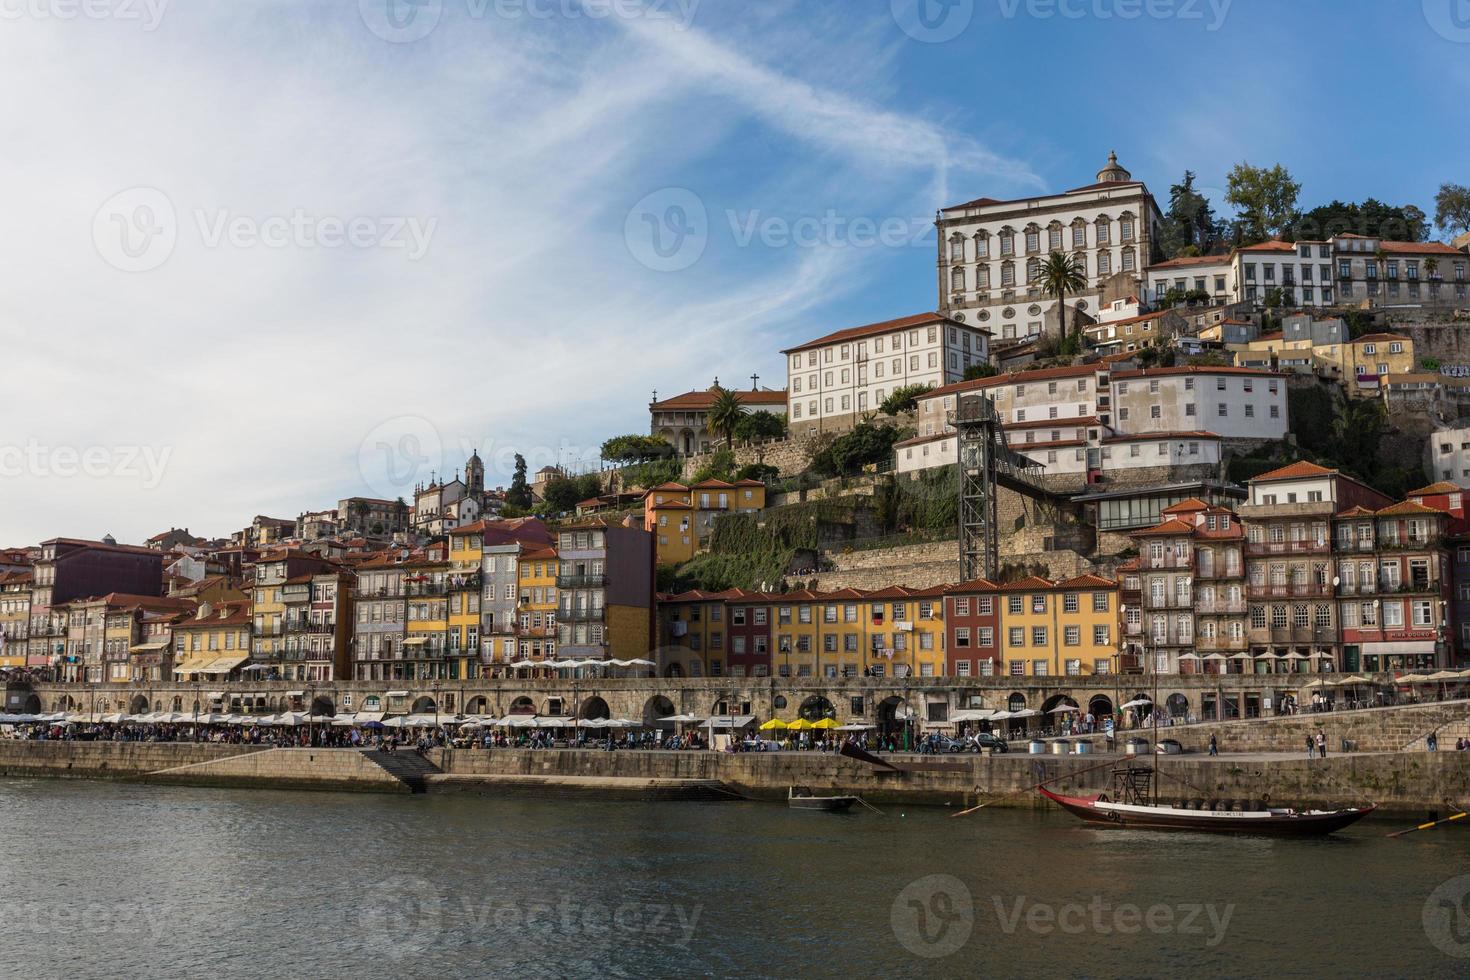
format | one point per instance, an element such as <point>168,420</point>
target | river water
<point>103,879</point>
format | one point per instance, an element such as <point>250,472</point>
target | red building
<point>750,633</point>
<point>972,629</point>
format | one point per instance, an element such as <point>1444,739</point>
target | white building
<point>1449,456</point>
<point>833,380</point>
<point>989,250</point>
<point>1199,273</point>
<point>1235,403</point>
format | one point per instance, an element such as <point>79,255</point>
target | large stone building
<point>834,380</point>
<point>74,568</point>
<point>605,591</point>
<point>989,251</point>
<point>683,420</point>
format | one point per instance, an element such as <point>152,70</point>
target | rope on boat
<point>870,806</point>
<point>1028,789</point>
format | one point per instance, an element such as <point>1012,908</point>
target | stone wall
<point>103,760</point>
<point>918,566</point>
<point>333,769</point>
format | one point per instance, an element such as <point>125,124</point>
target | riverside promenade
<point>1386,763</point>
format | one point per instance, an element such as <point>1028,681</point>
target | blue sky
<point>263,255</point>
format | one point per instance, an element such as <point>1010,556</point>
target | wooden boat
<point>802,798</point>
<point>1132,809</point>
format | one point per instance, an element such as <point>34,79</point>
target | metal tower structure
<point>987,464</point>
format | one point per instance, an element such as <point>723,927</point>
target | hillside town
<point>1251,459</point>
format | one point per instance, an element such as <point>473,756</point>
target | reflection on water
<point>123,880</point>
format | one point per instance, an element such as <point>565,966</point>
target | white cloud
<point>526,325</point>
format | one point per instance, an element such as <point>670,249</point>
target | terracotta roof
<point>1074,420</point>
<point>1407,508</point>
<point>1294,471</point>
<point>1419,248</point>
<point>1357,511</point>
<point>988,201</point>
<point>1126,320</point>
<point>1442,486</point>
<point>1029,584</point>
<point>886,326</point>
<point>1014,377</point>
<point>1189,505</point>
<point>975,585</point>
<point>1167,528</point>
<point>1087,581</point>
<point>1193,369</point>
<point>1378,338</point>
<point>1156,436</point>
<point>1275,245</point>
<point>1189,260</point>
<point>704,399</point>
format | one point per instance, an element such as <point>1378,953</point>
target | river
<point>104,879</point>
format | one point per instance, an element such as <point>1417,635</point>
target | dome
<point>1113,173</point>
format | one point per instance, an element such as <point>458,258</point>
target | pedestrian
<point>1311,746</point>
<point>1214,746</point>
<point>1322,745</point>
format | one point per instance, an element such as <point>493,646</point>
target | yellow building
<point>536,603</point>
<point>1363,363</point>
<point>682,518</point>
<point>426,636</point>
<point>1051,629</point>
<point>464,582</point>
<point>15,615</point>
<point>213,644</point>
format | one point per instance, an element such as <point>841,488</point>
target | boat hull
<point>1274,823</point>
<point>831,804</point>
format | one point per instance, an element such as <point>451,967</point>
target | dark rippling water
<point>117,880</point>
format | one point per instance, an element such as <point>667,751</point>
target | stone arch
<point>816,707</point>
<point>1016,702</point>
<point>1100,706</point>
<point>32,704</point>
<point>523,706</point>
<point>322,706</point>
<point>594,707</point>
<point>655,708</point>
<point>778,702</point>
<point>476,705</point>
<point>1057,701</point>
<point>1177,705</point>
<point>423,705</point>
<point>892,715</point>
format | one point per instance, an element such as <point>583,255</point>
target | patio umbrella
<point>1062,709</point>
<point>854,727</point>
<point>1137,703</point>
<point>799,725</point>
<point>773,724</point>
<point>826,723</point>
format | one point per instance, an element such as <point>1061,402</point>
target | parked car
<point>989,740</point>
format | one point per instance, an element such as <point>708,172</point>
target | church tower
<point>474,475</point>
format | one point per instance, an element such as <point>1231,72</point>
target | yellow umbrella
<point>825,723</point>
<point>799,725</point>
<point>773,724</point>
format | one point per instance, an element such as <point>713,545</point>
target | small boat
<point>1132,809</point>
<point>802,798</point>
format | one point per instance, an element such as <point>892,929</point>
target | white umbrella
<point>1137,703</point>
<point>1001,716</point>
<point>1062,709</point>
<point>684,718</point>
<point>1242,655</point>
<point>595,723</point>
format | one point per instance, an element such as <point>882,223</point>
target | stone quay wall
<point>107,760</point>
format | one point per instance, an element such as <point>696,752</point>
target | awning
<point>150,645</point>
<point>1399,646</point>
<point>397,694</point>
<point>415,641</point>
<point>296,694</point>
<point>729,721</point>
<point>223,665</point>
<point>194,666</point>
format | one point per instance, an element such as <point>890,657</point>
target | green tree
<point>1452,208</point>
<point>976,371</point>
<point>1264,201</point>
<point>760,425</point>
<point>757,471</point>
<point>866,443</point>
<point>904,399</point>
<point>719,466</point>
<point>1059,275</point>
<point>1190,226</point>
<point>635,449</point>
<point>1372,218</point>
<point>519,494</point>
<point>562,494</point>
<point>725,414</point>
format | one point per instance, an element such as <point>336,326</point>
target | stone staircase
<point>407,766</point>
<point>1447,733</point>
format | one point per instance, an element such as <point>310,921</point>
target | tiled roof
<point>1193,369</point>
<point>1442,486</point>
<point>1275,245</point>
<point>704,399</point>
<point>1379,338</point>
<point>1294,471</point>
<point>1187,506</point>
<point>1167,528</point>
<point>876,329</point>
<point>1356,511</point>
<point>1015,377</point>
<point>1087,581</point>
<point>1156,436</point>
<point>980,202</point>
<point>1190,260</point>
<point>1029,584</point>
<point>1407,508</point>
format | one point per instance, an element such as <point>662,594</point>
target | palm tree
<point>1059,275</point>
<point>725,412</point>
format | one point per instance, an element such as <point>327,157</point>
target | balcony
<point>310,627</point>
<point>412,589</point>
<point>1184,563</point>
<point>466,582</point>
<point>1259,590</point>
<point>1221,607</point>
<point>581,581</point>
<point>1217,572</point>
<point>580,616</point>
<point>275,629</point>
<point>1306,546</point>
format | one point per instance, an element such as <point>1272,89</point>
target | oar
<point>1432,823</point>
<point>1030,788</point>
